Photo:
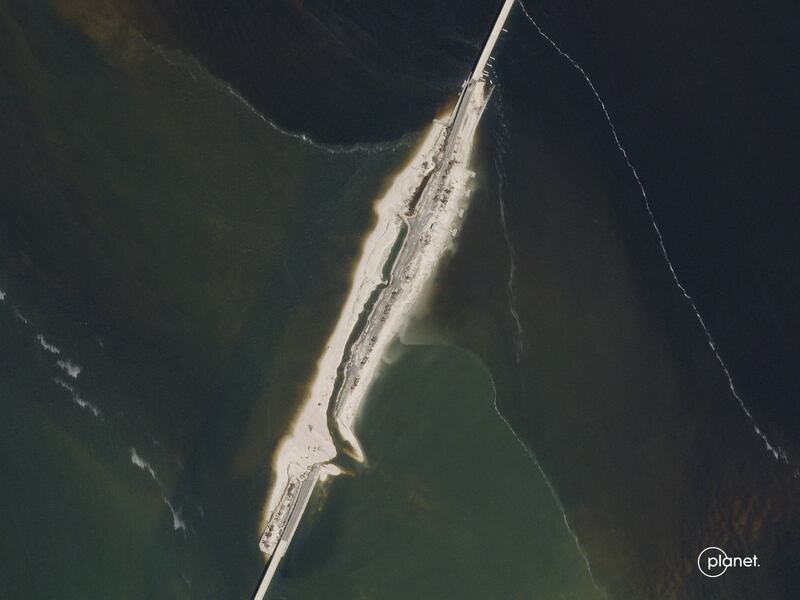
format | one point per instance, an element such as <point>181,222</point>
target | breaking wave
<point>49,347</point>
<point>76,397</point>
<point>73,370</point>
<point>70,368</point>
<point>178,524</point>
<point>179,60</point>
<point>773,448</point>
<point>141,463</point>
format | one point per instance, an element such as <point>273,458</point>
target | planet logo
<point>713,561</point>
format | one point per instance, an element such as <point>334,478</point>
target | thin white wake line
<point>519,347</point>
<point>550,487</point>
<point>775,450</point>
<point>358,147</point>
<point>512,267</point>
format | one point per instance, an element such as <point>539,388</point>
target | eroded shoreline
<point>421,211</point>
<point>309,441</point>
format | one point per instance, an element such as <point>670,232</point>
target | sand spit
<point>430,238</point>
<point>425,203</point>
<point>309,442</point>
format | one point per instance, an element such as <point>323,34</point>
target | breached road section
<point>309,441</point>
<point>417,221</point>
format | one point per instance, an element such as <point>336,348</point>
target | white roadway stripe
<point>489,47</point>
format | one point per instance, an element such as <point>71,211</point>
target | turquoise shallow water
<point>449,505</point>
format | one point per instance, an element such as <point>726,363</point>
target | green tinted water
<point>192,259</point>
<point>450,505</point>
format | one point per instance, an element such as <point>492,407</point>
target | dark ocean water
<point>191,259</point>
<point>706,100</point>
<point>381,68</point>
<point>619,392</point>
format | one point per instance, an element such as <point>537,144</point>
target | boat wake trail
<point>178,524</point>
<point>550,487</point>
<point>74,370</point>
<point>76,397</point>
<point>777,452</point>
<point>191,65</point>
<point>356,148</point>
<point>511,288</point>
<point>519,337</point>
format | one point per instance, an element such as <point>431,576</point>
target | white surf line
<point>511,290</point>
<point>74,370</point>
<point>49,347</point>
<point>70,368</point>
<point>177,521</point>
<point>76,397</point>
<point>178,524</point>
<point>21,317</point>
<point>141,463</point>
<point>358,147</point>
<point>774,449</point>
<point>550,487</point>
<point>511,294</point>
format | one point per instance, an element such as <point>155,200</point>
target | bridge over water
<point>461,121</point>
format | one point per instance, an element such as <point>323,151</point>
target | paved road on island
<point>303,496</point>
<point>418,226</point>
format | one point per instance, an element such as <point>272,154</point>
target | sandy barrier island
<point>417,220</point>
<point>309,441</point>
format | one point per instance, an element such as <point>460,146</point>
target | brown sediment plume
<point>121,30</point>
